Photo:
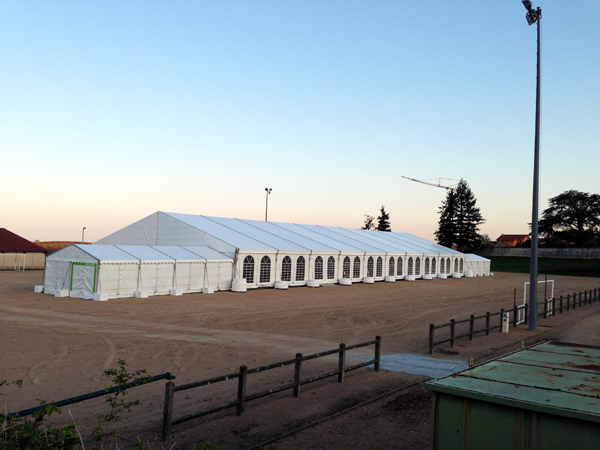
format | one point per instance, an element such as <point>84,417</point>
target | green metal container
<point>544,397</point>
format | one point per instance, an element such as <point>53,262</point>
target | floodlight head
<point>527,5</point>
<point>532,17</point>
<point>268,190</point>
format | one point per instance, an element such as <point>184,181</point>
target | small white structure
<point>113,271</point>
<point>479,265</point>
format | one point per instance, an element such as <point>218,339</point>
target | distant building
<point>512,240</point>
<point>54,246</point>
<point>19,253</point>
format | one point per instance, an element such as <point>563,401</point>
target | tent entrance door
<point>83,280</point>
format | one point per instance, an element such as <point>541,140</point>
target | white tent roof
<point>257,235</point>
<point>135,253</point>
<point>474,257</point>
<point>226,235</point>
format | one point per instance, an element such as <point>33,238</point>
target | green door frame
<point>84,264</point>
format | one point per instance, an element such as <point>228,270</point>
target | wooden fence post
<point>501,314</point>
<point>297,375</point>
<point>431,331</point>
<point>241,397</point>
<point>487,323</point>
<point>515,314</point>
<point>526,313</point>
<point>560,300</point>
<point>471,327</point>
<point>580,299</point>
<point>452,325</point>
<point>377,353</point>
<point>168,411</point>
<point>342,363</point>
<point>568,302</point>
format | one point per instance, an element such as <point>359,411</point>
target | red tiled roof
<point>512,237</point>
<point>10,242</point>
<point>54,246</point>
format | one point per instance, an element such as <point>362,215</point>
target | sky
<point>111,111</point>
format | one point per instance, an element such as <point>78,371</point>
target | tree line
<point>571,219</point>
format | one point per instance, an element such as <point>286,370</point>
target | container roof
<point>552,377</point>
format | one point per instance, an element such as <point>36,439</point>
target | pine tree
<point>383,221</point>
<point>446,232</point>
<point>460,219</point>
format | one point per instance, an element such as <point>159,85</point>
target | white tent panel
<point>118,280</point>
<point>83,280</point>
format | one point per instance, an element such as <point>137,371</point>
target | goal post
<point>15,260</point>
<point>521,315</point>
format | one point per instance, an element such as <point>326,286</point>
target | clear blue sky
<point>110,111</point>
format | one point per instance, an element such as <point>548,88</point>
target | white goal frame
<point>521,310</point>
<point>19,265</point>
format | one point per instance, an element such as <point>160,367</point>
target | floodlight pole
<point>82,234</point>
<point>268,190</point>
<point>533,268</point>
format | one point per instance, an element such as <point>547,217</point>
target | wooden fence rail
<point>550,307</point>
<point>242,375</point>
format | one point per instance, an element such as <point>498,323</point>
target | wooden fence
<point>550,307</point>
<point>240,402</point>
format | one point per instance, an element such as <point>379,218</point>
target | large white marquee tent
<point>221,253</point>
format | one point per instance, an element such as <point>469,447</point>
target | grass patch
<point>551,266</point>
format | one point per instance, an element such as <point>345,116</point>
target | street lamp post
<point>535,16</point>
<point>268,190</point>
<point>83,234</point>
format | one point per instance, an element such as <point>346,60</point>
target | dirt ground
<point>60,347</point>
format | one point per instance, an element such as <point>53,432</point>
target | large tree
<point>460,219</point>
<point>446,232</point>
<point>573,218</point>
<point>383,221</point>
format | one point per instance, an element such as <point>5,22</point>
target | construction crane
<point>439,184</point>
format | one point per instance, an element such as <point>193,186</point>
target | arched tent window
<point>356,273</point>
<point>331,268</point>
<point>442,265</point>
<point>265,269</point>
<point>447,265</point>
<point>391,269</point>
<point>417,266</point>
<point>433,266</point>
<point>319,268</point>
<point>286,269</point>
<point>300,265</point>
<point>346,268</point>
<point>370,266</point>
<point>461,266</point>
<point>399,270</point>
<point>455,264</point>
<point>248,269</point>
<point>410,266</point>
<point>427,266</point>
<point>379,267</point>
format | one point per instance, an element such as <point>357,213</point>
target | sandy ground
<point>61,346</point>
